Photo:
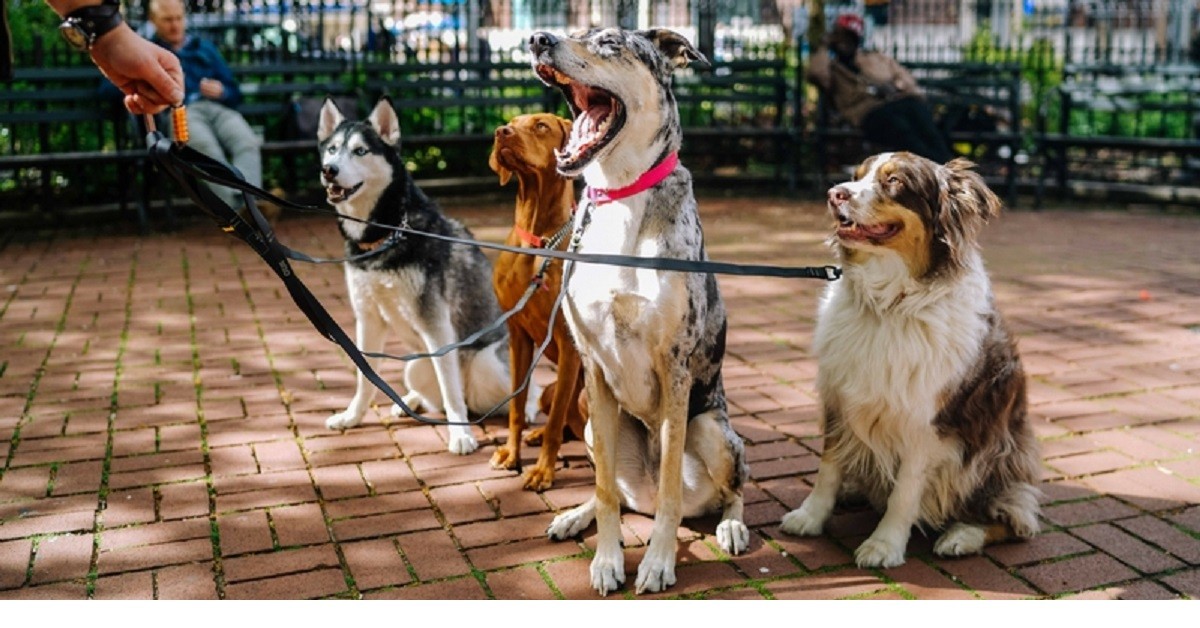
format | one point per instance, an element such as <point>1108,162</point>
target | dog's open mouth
<point>599,116</point>
<point>849,230</point>
<point>336,193</point>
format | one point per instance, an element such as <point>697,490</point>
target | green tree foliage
<point>29,19</point>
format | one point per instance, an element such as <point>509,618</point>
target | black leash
<point>188,167</point>
<point>220,174</point>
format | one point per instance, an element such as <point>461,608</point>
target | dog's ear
<point>966,204</point>
<point>329,119</point>
<point>498,168</point>
<point>675,47</point>
<point>565,125</point>
<point>385,121</point>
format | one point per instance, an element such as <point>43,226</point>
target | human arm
<point>819,72</point>
<point>903,80</point>
<point>218,83</point>
<point>148,75</point>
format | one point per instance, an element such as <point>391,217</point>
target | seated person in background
<point>212,95</point>
<point>875,93</point>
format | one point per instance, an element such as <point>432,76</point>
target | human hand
<point>883,90</point>
<point>212,89</point>
<point>149,75</point>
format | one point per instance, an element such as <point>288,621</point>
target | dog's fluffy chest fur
<point>392,294</point>
<point>917,342</point>
<point>624,317</point>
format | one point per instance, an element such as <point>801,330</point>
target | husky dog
<point>432,292</point>
<point>652,341</point>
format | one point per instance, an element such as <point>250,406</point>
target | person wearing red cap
<point>875,93</point>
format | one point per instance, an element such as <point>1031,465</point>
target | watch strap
<point>97,19</point>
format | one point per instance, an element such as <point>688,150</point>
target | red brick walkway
<point>162,404</point>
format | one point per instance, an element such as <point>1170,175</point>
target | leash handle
<point>179,123</point>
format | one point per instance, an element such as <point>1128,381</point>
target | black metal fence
<point>1050,39</point>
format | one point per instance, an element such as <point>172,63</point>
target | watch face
<point>74,35</point>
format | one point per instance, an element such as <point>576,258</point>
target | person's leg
<point>907,124</point>
<point>201,121</point>
<point>241,143</point>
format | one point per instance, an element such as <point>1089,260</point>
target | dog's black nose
<point>540,41</point>
<point>330,172</point>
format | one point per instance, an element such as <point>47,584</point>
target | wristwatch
<point>84,25</point>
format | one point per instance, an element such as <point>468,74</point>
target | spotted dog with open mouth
<point>652,342</point>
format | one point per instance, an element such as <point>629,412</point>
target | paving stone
<point>14,562</point>
<point>129,586</point>
<point>519,553</point>
<point>467,588</point>
<point>161,555</point>
<point>279,563</point>
<point>1044,546</point>
<point>1077,574</point>
<point>299,525</point>
<point>1112,395</point>
<point>843,583</point>
<point>1165,536</point>
<point>302,586</point>
<point>375,564</point>
<point>1126,548</point>
<point>186,582</point>
<point>245,532</point>
<point>1089,511</point>
<point>984,578</point>
<point>432,554</point>
<point>525,583</point>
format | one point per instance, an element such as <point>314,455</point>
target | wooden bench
<point>55,132</point>
<point>977,106</point>
<point>1123,131</point>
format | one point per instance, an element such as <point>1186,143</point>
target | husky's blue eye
<point>360,151</point>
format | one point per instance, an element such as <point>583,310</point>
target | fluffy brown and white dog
<point>922,387</point>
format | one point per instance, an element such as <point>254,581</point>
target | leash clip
<point>833,273</point>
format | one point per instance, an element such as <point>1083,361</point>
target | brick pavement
<point>162,405</point>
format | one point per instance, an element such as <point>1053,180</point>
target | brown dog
<point>525,147</point>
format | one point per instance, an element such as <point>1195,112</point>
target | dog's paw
<point>733,536</point>
<point>539,478</point>
<point>800,522</point>
<point>960,540</point>
<point>343,420</point>
<point>608,571</point>
<point>878,553</point>
<point>462,443</point>
<point>414,401</point>
<point>505,458</point>
<point>534,437</point>
<point>568,525</point>
<point>655,574</point>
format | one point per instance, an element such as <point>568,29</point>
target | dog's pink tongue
<point>875,230</point>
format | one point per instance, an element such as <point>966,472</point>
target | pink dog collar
<point>649,179</point>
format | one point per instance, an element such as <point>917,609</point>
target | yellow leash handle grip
<point>179,123</point>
